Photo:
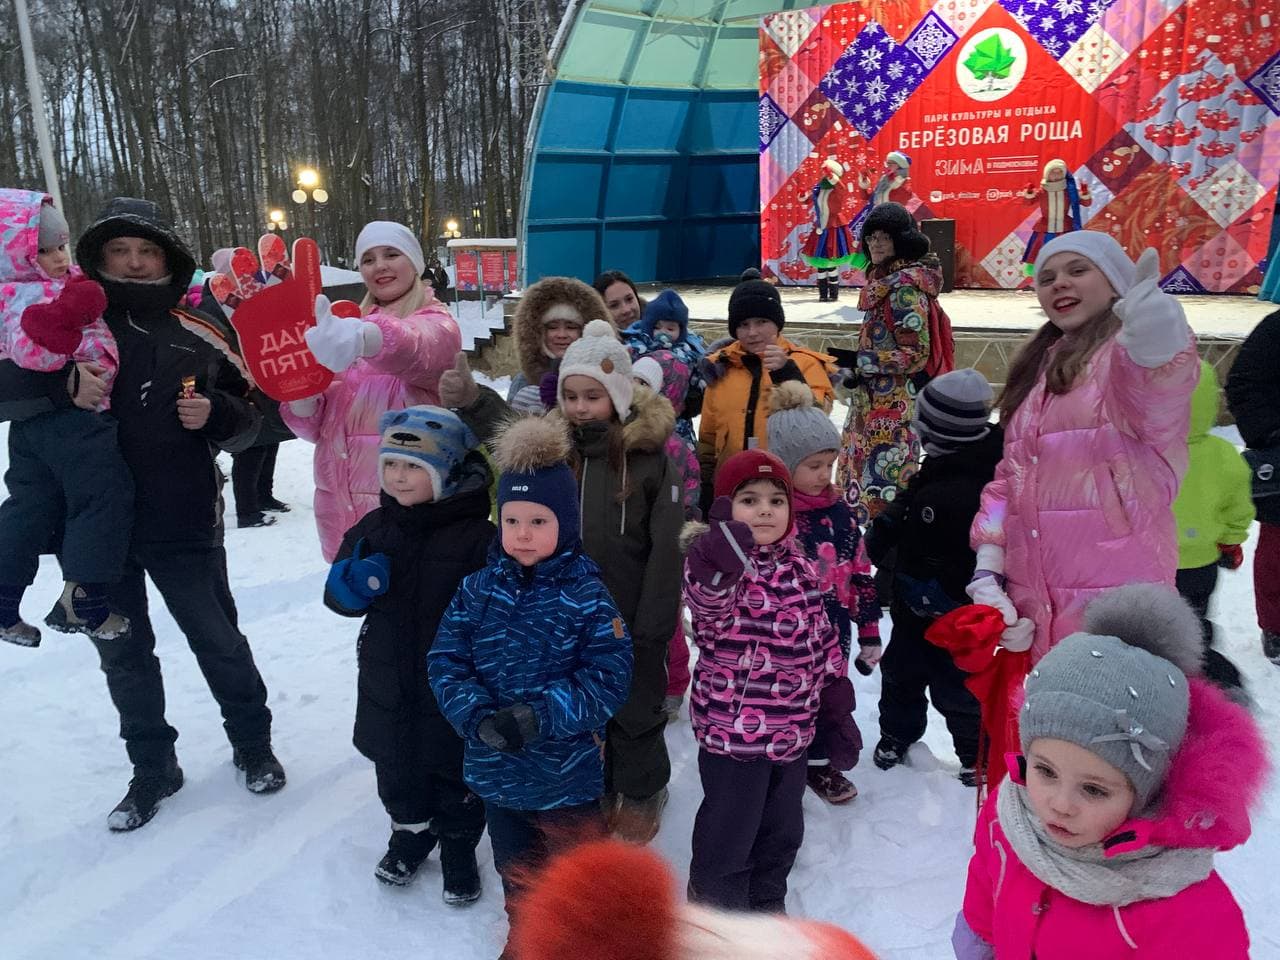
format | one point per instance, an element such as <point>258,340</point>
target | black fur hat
<point>895,220</point>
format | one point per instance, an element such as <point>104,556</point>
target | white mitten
<point>986,591</point>
<point>337,342</point>
<point>1153,328</point>
<point>1018,637</point>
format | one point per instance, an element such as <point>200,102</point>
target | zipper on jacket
<point>753,400</point>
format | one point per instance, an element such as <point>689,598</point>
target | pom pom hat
<point>533,454</point>
<point>797,428</point>
<point>601,356</point>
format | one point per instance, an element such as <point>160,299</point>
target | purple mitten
<point>836,726</point>
<point>548,389</point>
<point>719,557</point>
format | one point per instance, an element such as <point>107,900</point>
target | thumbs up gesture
<point>458,388</point>
<point>337,342</point>
<point>1153,328</point>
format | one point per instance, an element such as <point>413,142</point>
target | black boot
<point>146,790</point>
<point>406,851</point>
<point>262,771</point>
<point>258,519</point>
<point>83,608</point>
<point>1271,646</point>
<point>833,289</point>
<point>461,874</point>
<point>272,505</point>
<point>822,290</point>
<point>890,752</point>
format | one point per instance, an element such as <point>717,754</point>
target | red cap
<point>751,465</point>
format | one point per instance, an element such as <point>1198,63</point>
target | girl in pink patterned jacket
<point>768,655</point>
<point>64,464</point>
<point>390,359</point>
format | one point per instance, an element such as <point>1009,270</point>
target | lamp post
<point>308,194</point>
<point>276,220</point>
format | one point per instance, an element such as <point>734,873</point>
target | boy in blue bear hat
<point>532,661</point>
<point>398,568</point>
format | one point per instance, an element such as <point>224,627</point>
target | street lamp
<point>309,193</point>
<point>451,229</point>
<point>276,220</point>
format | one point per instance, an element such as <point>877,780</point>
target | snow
<point>338,276</point>
<point>476,319</point>
<point>223,873</point>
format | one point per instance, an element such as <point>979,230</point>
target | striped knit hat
<point>954,408</point>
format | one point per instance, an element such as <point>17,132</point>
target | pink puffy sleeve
<point>988,525</point>
<point>418,348</point>
<point>980,891</point>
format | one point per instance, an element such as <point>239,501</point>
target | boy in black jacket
<point>399,567</point>
<point>929,524</point>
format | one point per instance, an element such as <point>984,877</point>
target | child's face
<point>407,483</point>
<point>134,258</point>
<point>387,273</point>
<point>56,262</point>
<point>584,399</point>
<point>756,333</point>
<point>1073,291</point>
<point>529,532</point>
<point>561,326</point>
<point>1078,796</point>
<point>812,475</point>
<point>762,505</point>
<point>668,327</point>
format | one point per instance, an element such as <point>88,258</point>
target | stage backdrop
<point>1169,111</point>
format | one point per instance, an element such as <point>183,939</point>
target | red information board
<point>467,265</point>
<point>491,270</point>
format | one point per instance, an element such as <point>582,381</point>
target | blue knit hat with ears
<point>433,438</point>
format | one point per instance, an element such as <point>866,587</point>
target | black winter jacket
<point>1253,397</point>
<point>432,547</point>
<point>929,524</point>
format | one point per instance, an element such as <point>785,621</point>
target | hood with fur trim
<point>537,300</point>
<point>653,419</point>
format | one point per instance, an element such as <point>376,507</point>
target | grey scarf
<point>1086,874</point>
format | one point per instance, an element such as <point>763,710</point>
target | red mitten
<point>1230,556</point>
<point>58,325</point>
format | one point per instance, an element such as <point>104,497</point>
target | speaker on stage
<point>942,241</point>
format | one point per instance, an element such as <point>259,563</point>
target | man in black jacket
<point>179,391</point>
<point>1253,397</point>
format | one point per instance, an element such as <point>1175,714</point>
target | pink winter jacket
<point>344,426</point>
<point>1082,500</point>
<point>1213,782</point>
<point>23,283</point>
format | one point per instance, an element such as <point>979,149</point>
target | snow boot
<point>1271,646</point>
<point>822,289</point>
<point>833,289</point>
<point>13,629</point>
<point>969,776</point>
<point>272,505</point>
<point>637,820</point>
<point>146,790</point>
<point>890,752</point>
<point>406,852</point>
<point>461,874</point>
<point>258,519</point>
<point>83,608</point>
<point>262,771</point>
<point>830,784</point>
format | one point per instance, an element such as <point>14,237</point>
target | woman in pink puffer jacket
<point>390,359</point>
<point>1095,415</point>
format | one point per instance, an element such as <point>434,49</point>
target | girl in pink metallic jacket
<point>390,359</point>
<point>1095,416</point>
<point>1134,771</point>
<point>769,659</point>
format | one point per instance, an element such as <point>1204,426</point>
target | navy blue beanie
<point>532,454</point>
<point>666,306</point>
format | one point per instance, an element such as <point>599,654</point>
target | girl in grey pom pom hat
<point>1134,771</point>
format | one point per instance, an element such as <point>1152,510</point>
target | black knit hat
<point>754,298</point>
<point>895,220</point>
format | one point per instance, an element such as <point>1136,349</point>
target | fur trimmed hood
<point>537,300</point>
<point>653,419</point>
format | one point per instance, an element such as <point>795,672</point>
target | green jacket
<point>1214,504</point>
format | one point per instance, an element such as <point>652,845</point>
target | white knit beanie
<point>1101,248</point>
<point>601,356</point>
<point>650,371</point>
<point>387,233</point>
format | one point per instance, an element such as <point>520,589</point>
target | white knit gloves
<point>338,342</point>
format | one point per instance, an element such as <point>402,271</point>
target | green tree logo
<point>990,60</point>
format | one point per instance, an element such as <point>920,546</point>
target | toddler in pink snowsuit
<point>1134,770</point>
<point>64,463</point>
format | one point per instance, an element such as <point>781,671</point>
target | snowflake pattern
<point>1056,24</point>
<point>896,70</point>
<point>772,119</point>
<point>875,90</point>
<point>870,59</point>
<point>1266,83</point>
<point>931,40</point>
<point>875,71</point>
<point>1179,281</point>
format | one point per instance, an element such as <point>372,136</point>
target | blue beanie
<point>433,438</point>
<point>533,454</point>
<point>666,306</point>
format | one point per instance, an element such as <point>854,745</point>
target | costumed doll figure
<point>1060,201</point>
<point>892,185</point>
<point>831,245</point>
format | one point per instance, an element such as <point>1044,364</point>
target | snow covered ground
<point>222,873</point>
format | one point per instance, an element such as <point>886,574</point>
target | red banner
<point>467,269</point>
<point>491,264</point>
<point>513,268</point>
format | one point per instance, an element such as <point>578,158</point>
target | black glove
<point>510,728</point>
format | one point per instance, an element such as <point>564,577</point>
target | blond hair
<point>413,301</point>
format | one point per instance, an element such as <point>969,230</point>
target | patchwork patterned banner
<point>1168,112</point>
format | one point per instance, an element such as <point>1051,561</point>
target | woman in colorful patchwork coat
<point>905,339</point>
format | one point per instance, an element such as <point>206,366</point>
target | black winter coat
<point>1253,397</point>
<point>432,546</point>
<point>929,523</point>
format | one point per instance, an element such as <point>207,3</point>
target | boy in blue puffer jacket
<point>531,660</point>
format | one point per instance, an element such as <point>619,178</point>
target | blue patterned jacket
<point>549,636</point>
